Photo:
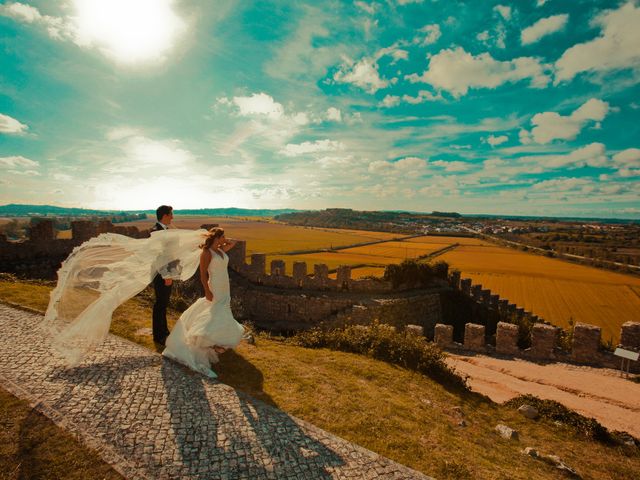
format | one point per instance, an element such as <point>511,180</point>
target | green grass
<point>394,411</point>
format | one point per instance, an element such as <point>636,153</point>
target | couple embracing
<point>106,271</point>
<point>207,328</point>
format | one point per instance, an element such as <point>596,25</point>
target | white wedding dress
<point>206,324</point>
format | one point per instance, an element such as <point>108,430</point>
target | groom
<point>162,287</point>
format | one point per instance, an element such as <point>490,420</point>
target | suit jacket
<point>171,265</point>
<point>157,227</point>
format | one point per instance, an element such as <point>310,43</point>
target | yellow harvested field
<point>443,241</point>
<point>271,237</point>
<point>397,250</point>
<point>552,289</point>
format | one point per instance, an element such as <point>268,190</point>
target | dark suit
<point>163,292</point>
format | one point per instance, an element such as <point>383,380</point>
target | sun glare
<point>130,31</point>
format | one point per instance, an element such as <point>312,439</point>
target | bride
<point>107,270</point>
<point>207,327</point>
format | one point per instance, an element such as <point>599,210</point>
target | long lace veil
<point>105,272</point>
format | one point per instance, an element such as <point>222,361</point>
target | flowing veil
<point>105,272</point>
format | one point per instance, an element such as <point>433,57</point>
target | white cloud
<point>453,166</point>
<point>370,8</point>
<point>334,114</point>
<point>399,54</point>
<point>259,104</point>
<point>525,137</point>
<point>456,71</point>
<point>408,166</point>
<point>540,3</point>
<point>592,155</point>
<point>423,96</point>
<point>18,161</point>
<point>390,101</point>
<point>550,126</point>
<point>483,36</point>
<point>407,2</point>
<point>139,153</point>
<point>294,150</point>
<point>11,125</point>
<point>431,34</point>
<point>266,119</point>
<point>493,140</point>
<point>628,158</point>
<point>363,74</point>
<point>504,11</point>
<point>615,48</point>
<point>562,184</point>
<point>543,27</point>
<point>21,12</point>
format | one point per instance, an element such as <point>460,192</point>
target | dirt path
<point>594,392</point>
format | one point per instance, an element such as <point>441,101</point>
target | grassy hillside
<point>393,411</point>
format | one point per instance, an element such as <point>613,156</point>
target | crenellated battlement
<point>42,253</point>
<point>275,275</point>
<point>585,345</point>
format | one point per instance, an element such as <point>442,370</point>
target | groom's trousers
<point>163,292</point>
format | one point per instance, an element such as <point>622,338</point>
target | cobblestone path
<point>152,418</point>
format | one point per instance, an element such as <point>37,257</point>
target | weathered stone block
<point>320,272</point>
<point>586,342</point>
<point>443,335</point>
<point>630,336</point>
<point>476,292</point>
<point>474,337</point>
<point>237,255</point>
<point>415,330</point>
<point>343,276</point>
<point>543,341</point>
<point>42,231</point>
<point>83,230</point>
<point>507,338</point>
<point>465,286</point>
<point>299,271</point>
<point>277,267</point>
<point>454,279</point>
<point>258,263</point>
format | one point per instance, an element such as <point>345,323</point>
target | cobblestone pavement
<point>152,418</point>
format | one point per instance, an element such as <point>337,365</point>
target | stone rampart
<point>41,255</point>
<point>275,275</point>
<point>585,348</point>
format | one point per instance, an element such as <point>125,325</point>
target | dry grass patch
<point>393,411</point>
<point>32,446</point>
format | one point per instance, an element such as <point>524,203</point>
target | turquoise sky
<point>526,107</point>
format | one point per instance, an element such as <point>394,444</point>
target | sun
<point>129,31</point>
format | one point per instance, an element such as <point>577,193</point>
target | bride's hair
<point>211,235</point>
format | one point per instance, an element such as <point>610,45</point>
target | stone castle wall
<point>585,346</point>
<point>284,303</point>
<point>41,255</point>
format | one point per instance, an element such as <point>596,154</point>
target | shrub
<point>555,411</point>
<point>411,273</point>
<point>382,342</point>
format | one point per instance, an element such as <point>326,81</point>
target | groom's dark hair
<point>163,210</point>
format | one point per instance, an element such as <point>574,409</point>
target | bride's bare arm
<point>205,260</point>
<point>229,244</point>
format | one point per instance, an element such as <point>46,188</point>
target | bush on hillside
<point>414,274</point>
<point>382,342</point>
<point>554,411</point>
